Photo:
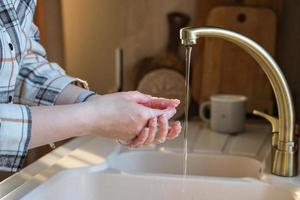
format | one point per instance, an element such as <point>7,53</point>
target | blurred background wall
<point>95,28</point>
<point>82,37</point>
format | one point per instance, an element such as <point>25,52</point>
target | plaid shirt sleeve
<point>39,81</point>
<point>15,132</point>
<point>27,78</point>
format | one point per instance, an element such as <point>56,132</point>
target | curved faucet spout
<point>285,153</point>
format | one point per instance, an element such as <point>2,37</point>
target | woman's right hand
<point>133,117</point>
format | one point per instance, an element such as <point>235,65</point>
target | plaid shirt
<point>26,79</point>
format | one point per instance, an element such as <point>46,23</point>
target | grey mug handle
<point>202,108</point>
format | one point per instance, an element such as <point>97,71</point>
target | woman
<point>39,104</point>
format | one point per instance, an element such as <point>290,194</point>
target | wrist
<point>86,117</point>
<point>90,115</point>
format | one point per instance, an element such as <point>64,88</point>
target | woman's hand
<point>134,117</point>
<point>154,134</point>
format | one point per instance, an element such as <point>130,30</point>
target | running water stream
<point>187,99</point>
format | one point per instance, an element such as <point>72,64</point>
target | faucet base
<point>285,163</point>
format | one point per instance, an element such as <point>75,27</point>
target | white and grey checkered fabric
<point>26,79</point>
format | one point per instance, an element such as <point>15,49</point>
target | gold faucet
<point>284,142</point>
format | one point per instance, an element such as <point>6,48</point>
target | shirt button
<point>11,46</point>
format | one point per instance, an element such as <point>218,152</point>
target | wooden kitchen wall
<point>49,20</point>
<point>201,88</point>
<point>94,29</point>
<point>142,32</point>
<point>139,27</point>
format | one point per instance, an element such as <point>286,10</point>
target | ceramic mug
<point>227,113</point>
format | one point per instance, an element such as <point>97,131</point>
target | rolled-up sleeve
<point>39,81</point>
<point>15,133</point>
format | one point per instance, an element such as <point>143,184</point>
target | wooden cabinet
<point>203,9</point>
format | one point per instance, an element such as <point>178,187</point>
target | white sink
<point>149,175</point>
<point>198,164</point>
<point>85,184</point>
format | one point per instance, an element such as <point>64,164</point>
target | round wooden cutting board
<point>165,83</point>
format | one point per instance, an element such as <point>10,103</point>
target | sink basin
<point>198,164</point>
<point>91,185</point>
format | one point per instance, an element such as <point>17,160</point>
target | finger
<point>140,139</point>
<point>169,112</point>
<point>137,97</point>
<point>175,130</point>
<point>162,103</point>
<point>152,130</point>
<point>163,129</point>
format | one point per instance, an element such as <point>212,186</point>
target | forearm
<point>63,120</point>
<point>116,116</point>
<point>54,123</point>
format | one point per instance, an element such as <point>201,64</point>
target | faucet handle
<point>273,120</point>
